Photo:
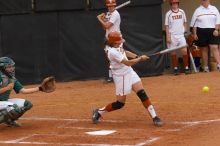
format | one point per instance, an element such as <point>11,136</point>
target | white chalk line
<point>19,141</point>
<point>72,120</point>
<point>190,124</point>
<point>198,122</point>
<point>147,142</point>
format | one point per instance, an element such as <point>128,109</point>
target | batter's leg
<point>118,104</point>
<point>139,90</point>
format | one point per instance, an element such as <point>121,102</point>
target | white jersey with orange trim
<point>175,21</point>
<point>124,76</point>
<point>205,17</point>
<point>115,19</point>
<point>115,56</point>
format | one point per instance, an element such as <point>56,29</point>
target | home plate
<point>101,132</point>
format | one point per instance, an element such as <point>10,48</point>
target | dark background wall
<point>63,37</point>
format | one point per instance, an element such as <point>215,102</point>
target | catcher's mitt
<point>48,85</point>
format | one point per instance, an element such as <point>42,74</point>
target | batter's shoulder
<point>116,13</point>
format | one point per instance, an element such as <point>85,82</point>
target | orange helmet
<point>174,1</point>
<point>115,37</point>
<point>109,3</point>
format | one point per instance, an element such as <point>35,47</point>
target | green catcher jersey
<point>4,81</point>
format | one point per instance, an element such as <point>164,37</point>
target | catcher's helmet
<point>174,1</point>
<point>6,62</point>
<point>109,3</point>
<point>115,37</point>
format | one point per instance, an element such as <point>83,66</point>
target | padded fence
<point>67,43</point>
<point>15,6</point>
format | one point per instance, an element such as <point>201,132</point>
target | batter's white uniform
<point>175,21</point>
<point>124,76</point>
<point>115,19</point>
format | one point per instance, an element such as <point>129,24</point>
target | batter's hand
<point>144,57</point>
<point>102,16</point>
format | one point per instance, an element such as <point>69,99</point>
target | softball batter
<point>125,78</point>
<point>110,22</point>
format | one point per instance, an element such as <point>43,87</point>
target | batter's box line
<point>20,141</point>
<point>71,120</point>
<point>197,122</point>
<point>190,124</point>
<point>17,140</point>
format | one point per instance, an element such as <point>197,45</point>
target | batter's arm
<point>105,24</point>
<point>134,61</point>
<point>131,54</point>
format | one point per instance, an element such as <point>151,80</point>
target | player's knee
<point>117,105</point>
<point>27,105</point>
<point>142,95</point>
<point>3,116</point>
<point>14,112</point>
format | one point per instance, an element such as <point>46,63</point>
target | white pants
<point>177,40</point>
<point>18,101</point>
<point>123,84</point>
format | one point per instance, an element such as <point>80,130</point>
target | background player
<point>175,25</point>
<point>125,78</point>
<point>110,22</point>
<point>205,22</point>
<point>12,109</point>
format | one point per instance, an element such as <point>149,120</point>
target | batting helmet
<point>109,3</point>
<point>4,63</point>
<point>174,1</point>
<point>115,37</point>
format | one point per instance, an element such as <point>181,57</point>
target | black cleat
<point>95,116</point>
<point>12,124</point>
<point>187,71</point>
<point>176,72</point>
<point>109,80</point>
<point>157,122</point>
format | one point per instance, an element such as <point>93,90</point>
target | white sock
<point>102,111</point>
<point>206,67</point>
<point>187,67</point>
<point>151,111</point>
<point>175,67</point>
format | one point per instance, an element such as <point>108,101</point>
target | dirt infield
<point>191,117</point>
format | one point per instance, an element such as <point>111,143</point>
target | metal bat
<point>168,50</point>
<point>122,5</point>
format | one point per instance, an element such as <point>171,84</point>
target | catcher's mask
<point>115,37</point>
<point>110,3</point>
<point>174,1</point>
<point>7,66</point>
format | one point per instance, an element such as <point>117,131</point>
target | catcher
<point>12,109</point>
